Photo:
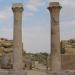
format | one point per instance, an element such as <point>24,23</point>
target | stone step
<point>62,73</point>
<point>12,73</point>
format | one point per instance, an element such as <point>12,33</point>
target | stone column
<point>17,36</point>
<point>54,8</point>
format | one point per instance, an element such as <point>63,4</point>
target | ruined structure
<point>6,53</point>
<point>68,46</point>
<point>54,8</point>
<point>62,57</point>
<point>17,37</point>
<point>68,54</point>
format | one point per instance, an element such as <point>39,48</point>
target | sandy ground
<point>40,70</point>
<point>36,72</point>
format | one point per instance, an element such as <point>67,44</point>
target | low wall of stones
<point>68,62</point>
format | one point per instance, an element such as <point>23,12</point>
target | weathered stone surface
<point>54,9</point>
<point>68,62</point>
<point>68,47</point>
<point>6,53</point>
<point>17,37</point>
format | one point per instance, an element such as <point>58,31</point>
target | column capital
<point>17,7</point>
<point>54,5</point>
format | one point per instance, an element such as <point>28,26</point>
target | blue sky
<point>36,22</point>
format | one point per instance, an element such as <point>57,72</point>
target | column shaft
<point>17,39</point>
<point>54,9</point>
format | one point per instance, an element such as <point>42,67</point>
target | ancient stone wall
<point>68,61</point>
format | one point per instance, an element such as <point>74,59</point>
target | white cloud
<point>5,14</point>
<point>2,16</point>
<point>31,8</point>
<point>33,5</point>
<point>67,30</point>
<point>28,14</point>
<point>69,3</point>
<point>6,33</point>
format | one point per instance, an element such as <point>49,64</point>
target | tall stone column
<point>54,8</point>
<point>17,36</point>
